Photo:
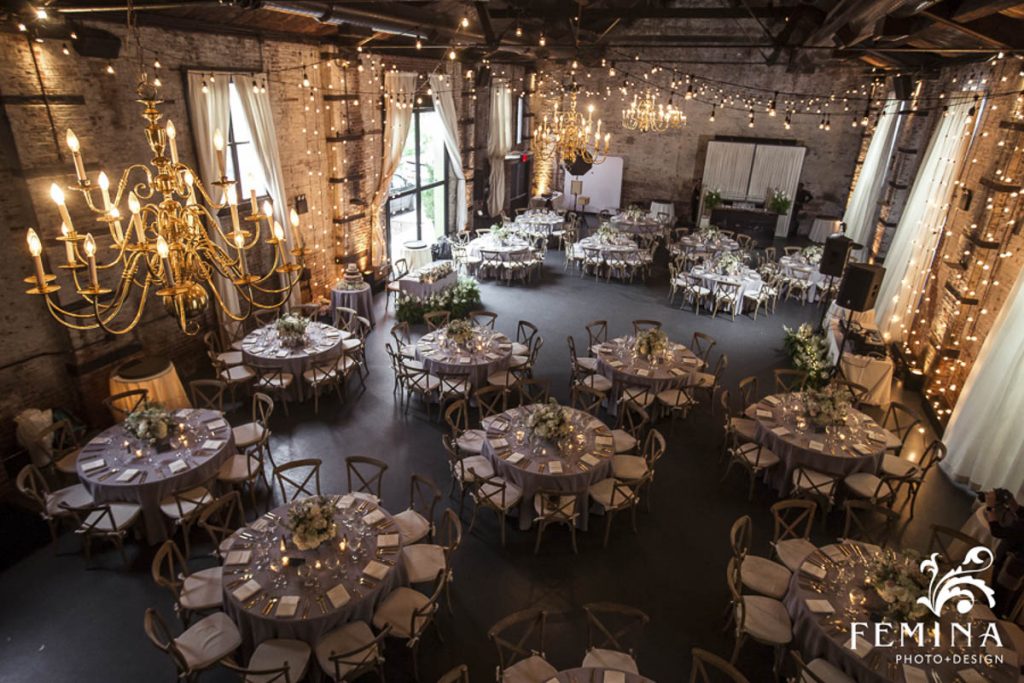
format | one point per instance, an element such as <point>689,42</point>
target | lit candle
<point>90,254</point>
<point>109,208</point>
<point>279,236</point>
<point>35,248</point>
<point>293,218</point>
<point>135,207</point>
<point>69,245</point>
<point>218,146</point>
<point>268,210</point>
<point>190,181</point>
<point>239,244</point>
<point>76,155</point>
<point>250,180</point>
<point>233,205</point>
<point>165,256</point>
<point>172,134</point>
<point>57,195</point>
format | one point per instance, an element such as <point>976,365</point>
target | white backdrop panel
<point>602,183</point>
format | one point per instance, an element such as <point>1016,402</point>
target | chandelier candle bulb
<point>233,205</point>
<point>35,247</point>
<point>172,142</point>
<point>253,202</point>
<point>69,246</point>
<point>76,156</point>
<point>240,245</point>
<point>90,254</point>
<point>165,257</point>
<point>218,146</point>
<point>279,236</point>
<point>135,208</point>
<point>268,211</point>
<point>57,195</point>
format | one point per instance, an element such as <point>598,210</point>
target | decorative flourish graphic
<point>956,584</point>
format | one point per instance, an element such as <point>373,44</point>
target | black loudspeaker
<point>859,288</point>
<point>835,254</point>
<point>903,86</point>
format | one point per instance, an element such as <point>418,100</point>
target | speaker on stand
<point>858,292</point>
<point>834,256</point>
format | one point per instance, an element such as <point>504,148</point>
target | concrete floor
<point>62,620</point>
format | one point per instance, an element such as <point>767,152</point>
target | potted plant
<point>779,202</point>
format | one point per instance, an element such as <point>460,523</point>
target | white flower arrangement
<point>827,407</point>
<point>291,329</point>
<point>606,233</point>
<point>651,344</point>
<point>149,422</point>
<point>311,522</point>
<point>808,351</point>
<point>899,583</point>
<point>460,331</point>
<point>549,421</point>
<point>434,272</point>
<point>779,202</point>
<point>709,233</point>
<point>502,234</point>
<point>812,254</point>
<point>634,213</point>
<point>728,263</point>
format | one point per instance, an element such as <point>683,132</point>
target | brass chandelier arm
<point>224,307</point>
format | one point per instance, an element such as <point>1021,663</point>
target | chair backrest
<point>129,400</point>
<point>586,399</point>
<point>399,269</point>
<point>158,634</point>
<point>740,535</point>
<point>490,400</point>
<point>597,332</point>
<point>734,581</point>
<point>423,496</point>
<point>323,371</point>
<point>302,475</point>
<point>31,483</point>
<point>352,663</point>
<point>347,319</point>
<point>701,345</point>
<point>222,517</point>
<point>271,379</point>
<point>748,390</point>
<point>459,674</point>
<point>212,341</point>
<point>169,568</point>
<point>265,317</point>
<point>633,419</point>
<point>556,505</point>
<point>525,332</point>
<point>858,392</point>
<point>422,617</point>
<point>538,344</point>
<point>805,674</point>
<point>642,325</point>
<point>456,416</point>
<point>402,336</point>
<point>533,390</point>
<point>727,290</point>
<point>611,626</point>
<point>449,534</point>
<point>933,455</point>
<point>707,666</point>
<point>483,318</point>
<point>572,350</point>
<point>262,409</point>
<point>207,394</point>
<point>518,636</point>
<point>491,491</point>
<point>951,544</point>
<point>791,251</point>
<point>274,674</point>
<point>807,482</point>
<point>435,320</point>
<point>190,502</point>
<point>770,254</point>
<point>788,380</point>
<point>901,420</point>
<point>720,365</point>
<point>868,522</point>
<point>794,518</point>
<point>366,473</point>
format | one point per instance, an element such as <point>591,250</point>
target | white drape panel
<point>499,143</point>
<point>775,168</point>
<point>444,105</point>
<point>400,97</point>
<point>727,168</point>
<point>211,111</point>
<point>984,438</point>
<point>264,140</point>
<point>862,207</point>
<point>917,235</point>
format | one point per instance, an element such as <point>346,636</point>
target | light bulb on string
<point>110,68</point>
<point>205,88</point>
<point>64,49</point>
<point>305,79</point>
<point>750,123</point>
<point>788,122</point>
<point>542,41</point>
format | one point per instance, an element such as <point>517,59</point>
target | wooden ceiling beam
<point>969,10</point>
<point>974,33</point>
<point>569,9</point>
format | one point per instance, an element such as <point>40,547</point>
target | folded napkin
<point>877,436</point>
<point>178,466</point>
<point>678,372</point>
<point>515,457</point>
<point>643,372</point>
<point>615,363</point>
<point>862,449</point>
<point>283,354</point>
<point>238,557</point>
<point>492,356</point>
<point>247,590</point>
<point>604,440</point>
<point>184,412</point>
<point>95,464</point>
<point>498,444</point>
<point>816,445</point>
<point>260,524</point>
<point>971,676</point>
<point>465,359</point>
<point>814,570</point>
<point>100,441</point>
<point>127,475</point>
<point>338,595</point>
<point>761,412</point>
<point>212,444</point>
<point>833,553</point>
<point>690,361</point>
<point>589,459</point>
<point>863,647</point>
<point>780,431</point>
<point>820,606</point>
<point>373,517</point>
<point>376,570</point>
<point>611,676</point>
<point>911,674</point>
<point>287,606</point>
<point>555,467</point>
<point>387,540</point>
<point>772,400</point>
<point>216,423</point>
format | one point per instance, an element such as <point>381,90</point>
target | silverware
<point>109,474</point>
<point>270,605</point>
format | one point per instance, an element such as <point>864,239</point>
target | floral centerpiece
<point>501,233</point>
<point>827,407</point>
<point>634,213</point>
<point>311,522</point>
<point>149,422</point>
<point>458,300</point>
<point>897,580</point>
<point>709,233</point>
<point>435,271</point>
<point>779,202</point>
<point>728,263</point>
<point>549,421</point>
<point>606,233</point>
<point>812,254</point>
<point>291,329</point>
<point>808,351</point>
<point>712,198</point>
<point>651,344</point>
<point>460,331</point>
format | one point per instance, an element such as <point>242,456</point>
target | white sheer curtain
<point>984,438</point>
<point>211,111</point>
<point>264,140</point>
<point>862,207</point>
<point>775,167</point>
<point>499,143</point>
<point>400,98</point>
<point>444,105</point>
<point>727,168</point>
<point>917,235</point>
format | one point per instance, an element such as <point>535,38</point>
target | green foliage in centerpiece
<point>827,407</point>
<point>460,331</point>
<point>311,522</point>
<point>458,300</point>
<point>808,351</point>
<point>728,263</point>
<point>435,271</point>
<point>149,422</point>
<point>606,233</point>
<point>291,329</point>
<point>651,344</point>
<point>712,198</point>
<point>549,421</point>
<point>779,202</point>
<point>897,580</point>
<point>709,233</point>
<point>501,233</point>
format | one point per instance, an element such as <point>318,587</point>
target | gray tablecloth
<point>209,443</point>
<point>797,266</point>
<point>515,249</point>
<point>261,349</point>
<point>588,675</point>
<point>617,362</point>
<point>748,282</point>
<point>493,354</point>
<point>817,635</point>
<point>794,447</point>
<point>310,623</point>
<point>359,299</point>
<point>543,223</point>
<point>699,244</point>
<point>508,433</point>
<point>411,285</point>
<point>625,250</point>
<point>642,226</point>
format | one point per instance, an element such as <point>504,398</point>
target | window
<point>243,162</point>
<point>417,207</point>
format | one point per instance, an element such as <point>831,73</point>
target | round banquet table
<point>527,460</point>
<point>821,610</point>
<point>539,222</point>
<point>116,467</point>
<point>700,244</point>
<point>748,280</point>
<point>261,348</point>
<point>782,426</point>
<point>512,249</point>
<point>590,675</point>
<point>617,362</point>
<point>621,248</point>
<point>156,375</point>
<point>369,568</point>
<point>797,265</point>
<point>489,352</point>
<point>824,227</point>
<point>416,254</point>
<point>645,225</point>
<point>360,299</point>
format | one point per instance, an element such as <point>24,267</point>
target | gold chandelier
<point>571,136</point>
<point>167,245</point>
<point>646,115</point>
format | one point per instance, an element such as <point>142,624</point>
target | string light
<point>419,44</point>
<point>711,118</point>
<point>542,41</point>
<point>110,68</point>
<point>64,48</point>
<point>305,79</point>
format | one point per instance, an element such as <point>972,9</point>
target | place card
<point>877,436</point>
<point>338,595</point>
<point>780,431</point>
<point>971,676</point>
<point>95,464</point>
<point>283,353</point>
<point>612,676</point>
<point>589,460</point>
<point>387,541</point>
<point>604,440</point>
<point>373,517</point>
<point>820,606</point>
<point>643,372</point>
<point>863,648</point>
<point>761,412</point>
<point>376,570</point>
<point>862,449</point>
<point>212,445</point>
<point>498,444</point>
<point>183,412</point>
<point>834,553</point>
<point>678,372</point>
<point>555,467</point>
<point>816,446</point>
<point>238,557</point>
<point>814,570</point>
<point>216,422</point>
<point>178,466</point>
<point>689,360</point>
<point>615,363</point>
<point>247,590</point>
<point>515,458</point>
<point>772,400</point>
<point>287,606</point>
<point>127,475</point>
<point>260,524</point>
<point>911,674</point>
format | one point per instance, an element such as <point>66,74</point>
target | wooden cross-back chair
<point>366,473</point>
<point>303,475</point>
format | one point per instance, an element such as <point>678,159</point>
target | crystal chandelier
<point>646,115</point>
<point>570,135</point>
<point>173,243</point>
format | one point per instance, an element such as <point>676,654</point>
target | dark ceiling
<point>890,34</point>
